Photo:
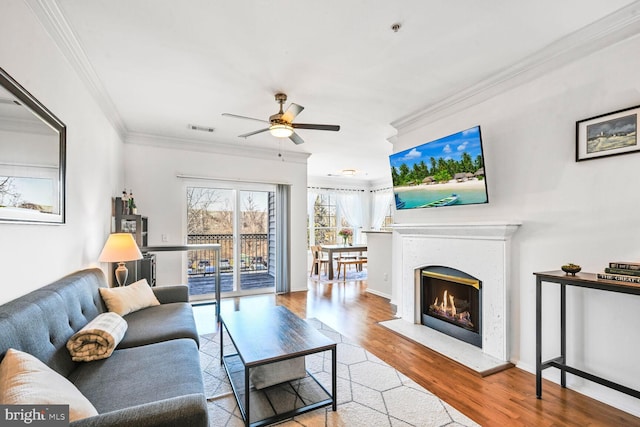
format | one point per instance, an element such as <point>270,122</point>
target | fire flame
<point>448,309</point>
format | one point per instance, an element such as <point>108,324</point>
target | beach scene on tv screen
<point>446,172</point>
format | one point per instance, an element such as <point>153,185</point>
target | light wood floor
<point>503,399</point>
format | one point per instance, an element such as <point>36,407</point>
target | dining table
<point>331,249</point>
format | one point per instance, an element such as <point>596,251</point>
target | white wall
<point>33,255</point>
<point>379,253</point>
<point>585,212</point>
<point>151,171</point>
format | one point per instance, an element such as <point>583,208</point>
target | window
<point>324,219</point>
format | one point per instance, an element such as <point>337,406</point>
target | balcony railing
<point>254,263</point>
<point>254,250</point>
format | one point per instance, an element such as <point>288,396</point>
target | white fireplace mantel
<point>481,249</point>
<point>495,230</point>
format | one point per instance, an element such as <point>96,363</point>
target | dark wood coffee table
<point>271,335</point>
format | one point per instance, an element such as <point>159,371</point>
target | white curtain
<point>381,202</point>
<point>311,201</point>
<point>352,204</point>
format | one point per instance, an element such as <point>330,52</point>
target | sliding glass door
<point>241,218</point>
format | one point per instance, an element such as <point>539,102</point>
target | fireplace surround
<point>481,250</point>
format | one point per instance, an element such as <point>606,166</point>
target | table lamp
<point>120,247</point>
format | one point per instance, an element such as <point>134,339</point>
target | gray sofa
<point>153,378</point>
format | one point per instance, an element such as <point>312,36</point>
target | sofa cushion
<point>127,299</point>
<point>148,325</point>
<point>171,293</point>
<point>140,375</point>
<point>25,380</point>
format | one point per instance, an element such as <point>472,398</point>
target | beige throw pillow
<point>127,299</point>
<point>25,380</point>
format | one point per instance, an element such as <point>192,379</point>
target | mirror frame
<point>29,101</point>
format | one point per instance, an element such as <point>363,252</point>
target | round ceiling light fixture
<point>281,130</point>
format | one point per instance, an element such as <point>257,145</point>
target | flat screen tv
<point>445,172</point>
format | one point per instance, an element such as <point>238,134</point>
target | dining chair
<point>344,262</point>
<point>318,261</point>
<point>362,258</point>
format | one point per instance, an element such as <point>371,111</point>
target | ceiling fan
<point>280,124</point>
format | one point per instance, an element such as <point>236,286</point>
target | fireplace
<point>481,250</point>
<point>450,302</point>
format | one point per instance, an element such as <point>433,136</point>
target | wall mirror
<point>32,158</point>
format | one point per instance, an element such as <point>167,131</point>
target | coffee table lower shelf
<point>278,402</point>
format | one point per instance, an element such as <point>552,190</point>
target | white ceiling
<point>158,65</point>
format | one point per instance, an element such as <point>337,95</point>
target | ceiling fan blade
<point>292,112</point>
<point>243,117</point>
<point>296,138</point>
<point>253,133</point>
<point>316,127</point>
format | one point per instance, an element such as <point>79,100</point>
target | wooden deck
<point>205,284</point>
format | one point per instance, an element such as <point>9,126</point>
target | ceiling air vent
<point>201,128</point>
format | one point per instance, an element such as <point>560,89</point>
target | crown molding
<point>337,182</point>
<point>52,19</point>
<point>611,29</point>
<point>381,184</point>
<point>377,184</point>
<point>215,147</point>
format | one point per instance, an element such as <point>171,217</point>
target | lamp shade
<point>120,247</point>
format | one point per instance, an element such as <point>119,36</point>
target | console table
<point>583,280</point>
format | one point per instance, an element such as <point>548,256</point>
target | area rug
<point>352,274</point>
<point>370,392</point>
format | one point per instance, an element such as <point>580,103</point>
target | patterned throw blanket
<point>98,338</point>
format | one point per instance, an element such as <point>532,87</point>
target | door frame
<point>237,187</point>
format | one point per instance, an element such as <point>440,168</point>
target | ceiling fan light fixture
<point>281,130</point>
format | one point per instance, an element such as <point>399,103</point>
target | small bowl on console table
<point>571,269</point>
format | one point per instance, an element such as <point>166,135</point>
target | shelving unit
<point>137,225</point>
<point>134,224</point>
